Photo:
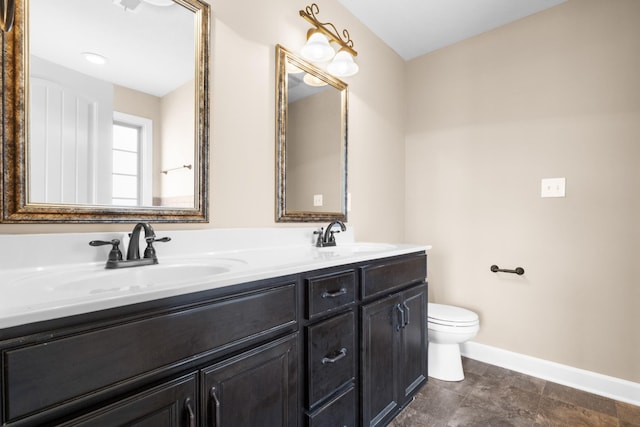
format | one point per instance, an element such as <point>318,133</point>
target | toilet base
<point>445,362</point>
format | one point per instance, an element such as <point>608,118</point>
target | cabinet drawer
<point>331,354</point>
<point>382,278</point>
<point>339,412</point>
<point>41,375</point>
<point>330,292</point>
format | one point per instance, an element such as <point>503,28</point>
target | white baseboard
<point>603,385</point>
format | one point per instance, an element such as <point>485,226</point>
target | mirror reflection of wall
<point>314,147</point>
<point>101,134</point>
<point>311,142</point>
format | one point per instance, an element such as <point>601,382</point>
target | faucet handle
<point>319,232</point>
<point>114,253</point>
<point>331,235</point>
<point>150,251</point>
<point>153,239</point>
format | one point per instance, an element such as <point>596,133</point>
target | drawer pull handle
<point>327,294</point>
<point>342,353</point>
<point>189,409</point>
<point>215,408</point>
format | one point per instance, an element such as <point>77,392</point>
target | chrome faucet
<point>133,251</point>
<point>327,238</point>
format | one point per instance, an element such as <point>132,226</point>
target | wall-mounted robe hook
<point>519,270</point>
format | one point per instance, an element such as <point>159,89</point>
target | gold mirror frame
<point>283,214</point>
<point>14,137</point>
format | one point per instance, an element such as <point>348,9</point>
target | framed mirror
<point>105,111</point>
<point>311,142</point>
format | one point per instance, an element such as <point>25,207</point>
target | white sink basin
<point>135,278</point>
<point>88,280</point>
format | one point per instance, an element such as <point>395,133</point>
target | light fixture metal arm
<point>328,29</point>
<point>7,14</point>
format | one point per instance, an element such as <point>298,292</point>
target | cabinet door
<point>414,341</point>
<point>254,389</point>
<point>380,359</point>
<point>172,404</point>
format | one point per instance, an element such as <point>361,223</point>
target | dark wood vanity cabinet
<point>394,338</point>
<point>331,351</point>
<point>341,346</point>
<point>119,367</point>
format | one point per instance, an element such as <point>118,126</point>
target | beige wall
<point>553,95</point>
<point>243,130</point>
<point>315,152</point>
<point>178,130</point>
<point>242,192</point>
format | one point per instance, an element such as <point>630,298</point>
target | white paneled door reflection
<point>61,144</point>
<point>69,132</point>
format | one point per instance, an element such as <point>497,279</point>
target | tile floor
<point>491,396</point>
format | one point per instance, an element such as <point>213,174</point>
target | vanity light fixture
<point>318,47</point>
<point>94,58</point>
<point>7,14</point>
<point>343,65</point>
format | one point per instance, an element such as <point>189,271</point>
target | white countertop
<point>44,277</point>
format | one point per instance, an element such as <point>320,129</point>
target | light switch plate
<point>552,187</point>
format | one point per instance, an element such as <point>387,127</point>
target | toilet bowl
<point>449,327</point>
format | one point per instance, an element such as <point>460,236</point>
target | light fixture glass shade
<point>314,81</point>
<point>292,69</point>
<point>343,65</point>
<point>317,48</point>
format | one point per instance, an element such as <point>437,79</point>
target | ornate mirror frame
<point>284,214</point>
<point>14,137</point>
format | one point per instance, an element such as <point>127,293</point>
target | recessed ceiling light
<point>94,58</point>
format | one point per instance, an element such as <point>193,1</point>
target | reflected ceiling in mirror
<point>110,111</point>
<point>311,142</point>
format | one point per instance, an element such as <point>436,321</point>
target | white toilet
<point>449,327</point>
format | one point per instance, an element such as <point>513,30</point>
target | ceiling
<point>415,27</point>
<point>149,47</point>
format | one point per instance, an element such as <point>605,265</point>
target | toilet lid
<point>448,314</point>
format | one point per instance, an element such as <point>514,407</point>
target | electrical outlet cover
<point>552,187</point>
